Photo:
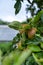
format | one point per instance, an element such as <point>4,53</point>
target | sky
<point>7,11</point>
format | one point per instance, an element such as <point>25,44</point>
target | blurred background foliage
<point>3,22</point>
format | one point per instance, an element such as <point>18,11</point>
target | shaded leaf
<point>22,0</point>
<point>42,17</point>
<point>17,7</point>
<point>34,56</point>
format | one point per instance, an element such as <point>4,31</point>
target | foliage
<point>30,6</point>
<point>27,46</point>
<point>3,22</point>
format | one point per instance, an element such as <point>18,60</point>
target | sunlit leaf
<point>15,25</point>
<point>34,48</point>
<point>0,57</point>
<point>23,57</point>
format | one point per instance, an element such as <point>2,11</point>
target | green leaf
<point>11,58</point>
<point>40,29</point>
<point>38,57</point>
<point>23,38</point>
<point>41,45</point>
<point>34,48</point>
<point>22,0</point>
<point>36,40</point>
<point>42,17</point>
<point>0,57</point>
<point>15,57</point>
<point>34,56</point>
<point>30,61</point>
<point>35,19</point>
<point>15,25</point>
<point>17,7</point>
<point>16,39</point>
<point>23,57</point>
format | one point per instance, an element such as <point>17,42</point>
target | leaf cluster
<point>30,6</point>
<point>27,45</point>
